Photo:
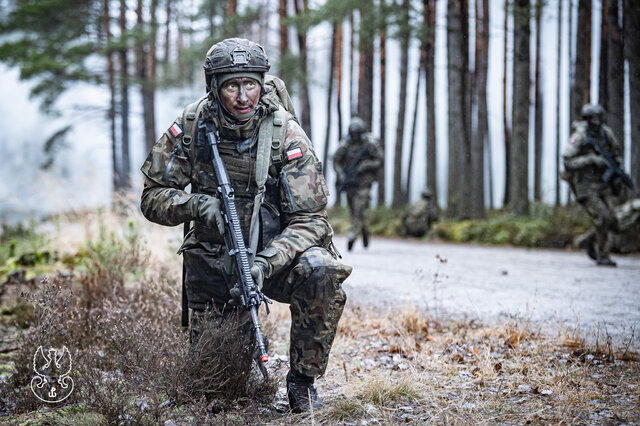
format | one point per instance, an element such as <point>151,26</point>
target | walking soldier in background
<point>357,161</point>
<point>592,163</point>
<point>276,189</point>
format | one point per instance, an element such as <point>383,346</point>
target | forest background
<point>473,99</point>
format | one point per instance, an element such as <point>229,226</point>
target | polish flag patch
<point>294,153</point>
<point>175,130</point>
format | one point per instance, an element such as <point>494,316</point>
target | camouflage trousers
<point>358,200</point>
<point>312,287</point>
<point>600,208</point>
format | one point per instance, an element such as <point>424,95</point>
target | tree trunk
<point>150,91</point>
<point>399,197</point>
<point>146,71</point>
<point>106,18</point>
<point>230,25</point>
<point>167,36</point>
<point>232,7</point>
<point>571,76</point>
<point>507,131</point>
<point>412,144</point>
<point>284,30</point>
<point>338,53</point>
<point>180,45</point>
<point>353,101</point>
<point>457,58</point>
<point>429,21</point>
<point>615,74</point>
<point>632,51</point>
<point>580,88</point>
<point>519,189</point>
<point>125,168</point>
<point>604,56</point>
<point>327,138</point>
<point>383,112</point>
<point>537,150</point>
<point>304,114</point>
<point>558,75</point>
<point>480,100</point>
<point>365,65</point>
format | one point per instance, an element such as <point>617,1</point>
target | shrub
<point>545,227</point>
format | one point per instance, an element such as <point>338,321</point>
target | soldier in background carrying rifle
<point>592,169</point>
<point>257,204</point>
<point>357,161</point>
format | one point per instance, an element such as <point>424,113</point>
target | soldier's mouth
<point>243,110</point>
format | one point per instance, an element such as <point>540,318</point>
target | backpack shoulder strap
<point>270,145</point>
<point>279,130</point>
<point>189,121</point>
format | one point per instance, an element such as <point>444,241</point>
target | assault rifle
<point>350,178</point>
<point>251,297</point>
<point>614,175</point>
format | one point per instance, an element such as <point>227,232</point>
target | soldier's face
<point>240,95</point>
<point>595,121</point>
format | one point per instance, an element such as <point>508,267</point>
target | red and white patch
<point>175,130</point>
<point>294,153</point>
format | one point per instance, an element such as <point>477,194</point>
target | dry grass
<point>119,313</point>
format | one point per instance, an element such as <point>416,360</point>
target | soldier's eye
<point>231,88</point>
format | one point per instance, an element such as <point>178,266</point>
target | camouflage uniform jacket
<point>584,167</point>
<point>296,192</point>
<point>367,167</point>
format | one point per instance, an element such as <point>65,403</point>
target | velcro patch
<point>175,130</point>
<point>294,153</point>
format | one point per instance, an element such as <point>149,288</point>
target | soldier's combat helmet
<point>356,127</point>
<point>426,194</point>
<point>592,110</point>
<point>235,57</point>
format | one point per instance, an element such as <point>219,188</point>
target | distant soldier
<point>419,215</point>
<point>627,240</point>
<point>357,161</point>
<point>590,176</point>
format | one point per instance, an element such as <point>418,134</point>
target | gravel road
<point>550,287</point>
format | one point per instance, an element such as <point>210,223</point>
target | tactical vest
<point>253,178</point>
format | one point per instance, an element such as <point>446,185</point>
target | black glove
<point>209,212</point>
<point>260,265</point>
<point>258,270</point>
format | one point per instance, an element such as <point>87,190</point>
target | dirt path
<point>489,283</point>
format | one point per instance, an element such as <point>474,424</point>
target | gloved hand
<point>258,270</point>
<point>600,162</point>
<point>209,212</point>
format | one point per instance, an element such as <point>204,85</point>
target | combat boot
<point>365,237</point>
<point>606,261</point>
<point>587,244</point>
<point>301,392</point>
